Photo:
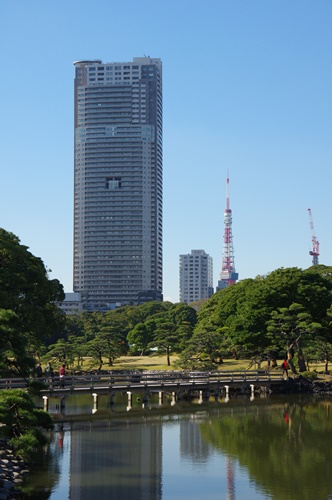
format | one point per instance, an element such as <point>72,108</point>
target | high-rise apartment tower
<point>118,182</point>
<point>196,276</point>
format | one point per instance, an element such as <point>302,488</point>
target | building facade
<point>72,303</point>
<point>118,182</point>
<point>196,276</point>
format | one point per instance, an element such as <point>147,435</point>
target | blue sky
<point>247,87</point>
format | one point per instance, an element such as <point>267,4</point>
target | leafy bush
<point>310,375</point>
<point>26,445</point>
<point>22,422</point>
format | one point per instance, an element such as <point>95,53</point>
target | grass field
<point>155,362</point>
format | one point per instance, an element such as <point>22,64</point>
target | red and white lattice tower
<point>228,275</point>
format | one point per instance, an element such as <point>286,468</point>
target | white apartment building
<point>196,276</point>
<point>72,303</point>
<point>118,185</point>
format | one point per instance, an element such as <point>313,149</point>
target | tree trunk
<point>302,367</point>
<point>168,357</point>
<point>326,364</point>
<point>290,355</point>
<point>274,363</point>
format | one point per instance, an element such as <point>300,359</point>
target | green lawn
<point>155,362</point>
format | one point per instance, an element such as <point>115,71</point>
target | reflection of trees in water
<point>286,448</point>
<point>45,472</point>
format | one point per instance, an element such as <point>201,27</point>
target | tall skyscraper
<point>196,276</point>
<point>118,182</point>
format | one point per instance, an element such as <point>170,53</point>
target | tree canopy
<point>28,309</point>
<point>248,314</point>
<point>285,312</point>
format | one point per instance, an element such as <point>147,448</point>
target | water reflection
<point>285,448</point>
<point>277,448</point>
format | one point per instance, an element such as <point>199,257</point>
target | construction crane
<point>315,243</point>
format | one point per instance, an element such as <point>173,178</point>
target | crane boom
<point>315,243</point>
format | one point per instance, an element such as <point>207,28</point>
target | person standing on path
<point>285,368</point>
<point>39,370</point>
<point>49,372</point>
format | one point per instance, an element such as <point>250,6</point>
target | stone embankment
<point>12,472</point>
<point>302,385</point>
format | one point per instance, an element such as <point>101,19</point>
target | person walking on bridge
<point>62,375</point>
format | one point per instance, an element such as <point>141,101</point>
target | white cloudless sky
<point>246,87</point>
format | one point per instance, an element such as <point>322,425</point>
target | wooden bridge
<point>204,384</point>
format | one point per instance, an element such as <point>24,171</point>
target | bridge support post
<point>46,402</point>
<point>95,402</point>
<point>227,393</point>
<point>112,396</point>
<point>252,392</point>
<point>173,398</point>
<point>200,399</point>
<point>130,399</point>
<point>146,396</point>
<point>161,397</point>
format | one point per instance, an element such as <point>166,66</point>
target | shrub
<point>22,422</point>
<point>310,375</point>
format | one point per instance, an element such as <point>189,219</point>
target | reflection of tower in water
<point>102,468</point>
<point>230,479</point>
<point>193,447</point>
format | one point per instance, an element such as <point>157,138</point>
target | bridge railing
<point>149,379</point>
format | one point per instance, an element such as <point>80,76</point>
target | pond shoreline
<point>12,472</point>
<point>302,385</point>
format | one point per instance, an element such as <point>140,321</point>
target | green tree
<point>140,338</point>
<point>22,422</point>
<point>182,313</point>
<point>97,349</point>
<point>203,351</point>
<point>289,328</point>
<point>14,351</point>
<point>165,338</point>
<point>27,291</point>
<point>245,308</point>
<point>115,346</point>
<point>61,351</point>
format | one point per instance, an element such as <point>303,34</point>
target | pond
<point>271,448</point>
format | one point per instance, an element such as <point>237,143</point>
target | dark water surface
<point>276,448</point>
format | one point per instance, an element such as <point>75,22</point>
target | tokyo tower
<point>228,275</point>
